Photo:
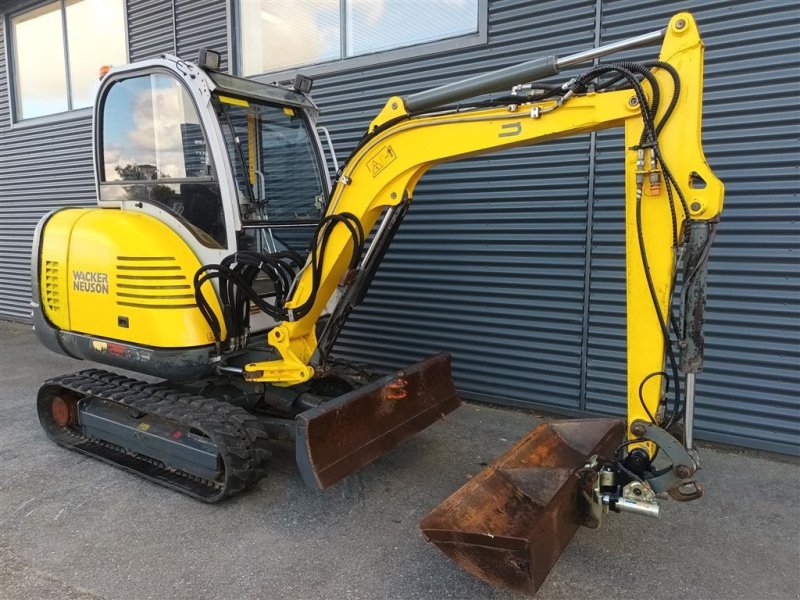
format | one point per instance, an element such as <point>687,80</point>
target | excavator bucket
<point>341,436</point>
<point>509,524</point>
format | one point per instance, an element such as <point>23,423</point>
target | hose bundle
<point>237,274</point>
<point>630,75</point>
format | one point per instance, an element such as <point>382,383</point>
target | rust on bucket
<point>509,524</point>
<point>341,436</point>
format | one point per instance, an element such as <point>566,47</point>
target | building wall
<point>490,263</point>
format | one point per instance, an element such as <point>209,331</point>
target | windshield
<point>274,162</point>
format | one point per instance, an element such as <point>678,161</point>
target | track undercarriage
<point>212,440</point>
<point>205,448</point>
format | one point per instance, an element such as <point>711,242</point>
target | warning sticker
<point>380,160</point>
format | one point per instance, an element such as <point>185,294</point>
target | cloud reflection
<point>147,122</point>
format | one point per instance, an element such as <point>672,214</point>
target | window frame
<point>99,153</point>
<point>360,61</point>
<point>11,65</point>
<point>318,160</point>
<point>108,84</point>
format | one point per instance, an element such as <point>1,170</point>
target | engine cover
<point>110,281</point>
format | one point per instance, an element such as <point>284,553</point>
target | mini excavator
<point>221,263</point>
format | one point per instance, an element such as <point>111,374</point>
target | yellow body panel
<point>122,276</point>
<point>53,265</point>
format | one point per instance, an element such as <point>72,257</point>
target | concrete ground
<point>75,529</point>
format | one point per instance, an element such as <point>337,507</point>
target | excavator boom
<point>379,179</point>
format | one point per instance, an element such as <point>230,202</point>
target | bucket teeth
<point>509,524</point>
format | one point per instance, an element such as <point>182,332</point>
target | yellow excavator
<point>222,262</point>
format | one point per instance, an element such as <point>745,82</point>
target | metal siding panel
<point>748,393</point>
<point>202,24</point>
<point>495,278</point>
<point>150,30</point>
<point>41,168</point>
<point>5,100</point>
<point>491,272</point>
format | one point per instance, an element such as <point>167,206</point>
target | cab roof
<point>248,88</point>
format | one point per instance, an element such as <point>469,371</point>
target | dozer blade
<point>509,524</point>
<point>341,436</point>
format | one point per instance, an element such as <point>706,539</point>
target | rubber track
<point>239,436</point>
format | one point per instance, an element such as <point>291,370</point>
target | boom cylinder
<point>587,55</point>
<point>531,70</point>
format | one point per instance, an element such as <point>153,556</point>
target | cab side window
<point>154,150</point>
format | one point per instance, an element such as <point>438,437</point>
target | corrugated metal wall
<point>5,108</point>
<point>490,262</point>
<point>150,30</point>
<point>41,168</point>
<point>201,24</point>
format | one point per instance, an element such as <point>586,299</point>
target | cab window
<point>274,162</point>
<point>154,150</point>
<point>281,195</point>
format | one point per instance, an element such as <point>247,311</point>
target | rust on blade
<point>351,431</point>
<point>509,524</point>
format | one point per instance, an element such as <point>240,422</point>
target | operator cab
<point>230,164</point>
